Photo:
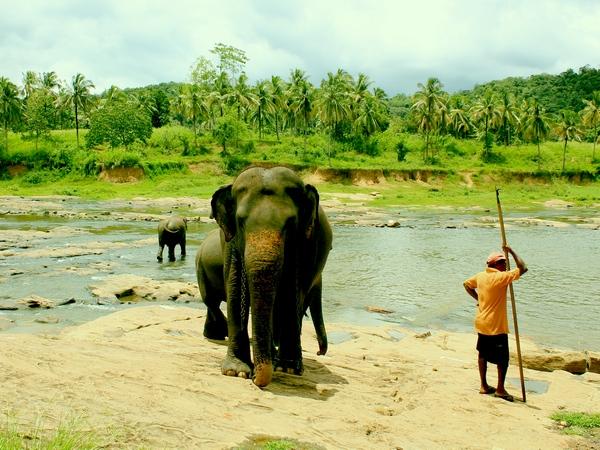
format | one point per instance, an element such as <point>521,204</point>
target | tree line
<point>219,100</point>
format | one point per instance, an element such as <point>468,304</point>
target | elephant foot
<point>215,325</point>
<point>234,367</point>
<point>159,258</point>
<point>322,348</point>
<point>216,333</point>
<point>291,366</point>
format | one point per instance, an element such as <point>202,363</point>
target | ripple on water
<point>414,271</point>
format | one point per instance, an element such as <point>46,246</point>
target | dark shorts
<point>493,349</point>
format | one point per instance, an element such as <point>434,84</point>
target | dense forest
<point>219,105</point>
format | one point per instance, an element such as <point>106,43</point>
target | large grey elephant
<point>171,232</point>
<point>274,240</point>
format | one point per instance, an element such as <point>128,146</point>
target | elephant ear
<point>310,211</point>
<point>222,210</point>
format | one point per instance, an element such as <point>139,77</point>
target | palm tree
<point>79,97</point>
<point>382,99</point>
<point>443,118</point>
<point>297,78</point>
<point>368,120</point>
<point>591,117</point>
<point>31,81</point>
<point>220,92</point>
<point>332,104</point>
<point>264,104</point>
<point>242,96</point>
<point>10,106</point>
<point>460,124</point>
<point>537,125</point>
<point>302,104</point>
<point>566,129</point>
<point>194,107</point>
<point>114,93</point>
<point>361,87</point>
<point>508,116</point>
<point>486,112</point>
<point>278,98</point>
<point>428,100</point>
<point>50,81</point>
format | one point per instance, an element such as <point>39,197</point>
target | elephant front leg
<point>289,355</point>
<point>159,256</point>
<point>237,362</point>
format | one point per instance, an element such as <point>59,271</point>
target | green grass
<point>169,173</point>
<point>66,436</point>
<point>262,442</point>
<point>578,423</point>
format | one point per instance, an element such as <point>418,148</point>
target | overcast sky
<point>133,43</point>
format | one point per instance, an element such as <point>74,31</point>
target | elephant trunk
<point>263,264</point>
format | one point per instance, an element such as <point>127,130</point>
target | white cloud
<point>397,44</point>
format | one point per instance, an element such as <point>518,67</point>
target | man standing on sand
<point>488,288</point>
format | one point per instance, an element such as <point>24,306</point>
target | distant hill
<point>566,90</point>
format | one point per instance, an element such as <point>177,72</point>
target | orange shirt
<point>491,288</point>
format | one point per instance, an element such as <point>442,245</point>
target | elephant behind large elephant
<point>274,240</point>
<point>209,272</point>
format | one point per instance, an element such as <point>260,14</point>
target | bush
<point>119,158</point>
<point>194,151</point>
<point>62,158</point>
<point>228,130</point>
<point>155,168</point>
<point>233,164</point>
<point>452,148</point>
<point>40,176</point>
<point>171,138</point>
<point>247,147</point>
<point>90,165</point>
<point>118,123</point>
<point>401,151</point>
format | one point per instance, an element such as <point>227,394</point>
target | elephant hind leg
<point>215,325</point>
<point>171,253</point>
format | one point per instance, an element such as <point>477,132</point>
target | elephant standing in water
<point>171,232</point>
<point>273,243</point>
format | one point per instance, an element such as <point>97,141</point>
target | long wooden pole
<point>512,296</point>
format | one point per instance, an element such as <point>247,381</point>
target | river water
<point>414,271</point>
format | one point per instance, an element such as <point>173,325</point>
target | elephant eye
<point>267,191</point>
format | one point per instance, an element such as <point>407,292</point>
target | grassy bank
<point>457,175</point>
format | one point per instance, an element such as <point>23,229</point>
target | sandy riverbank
<point>145,377</point>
